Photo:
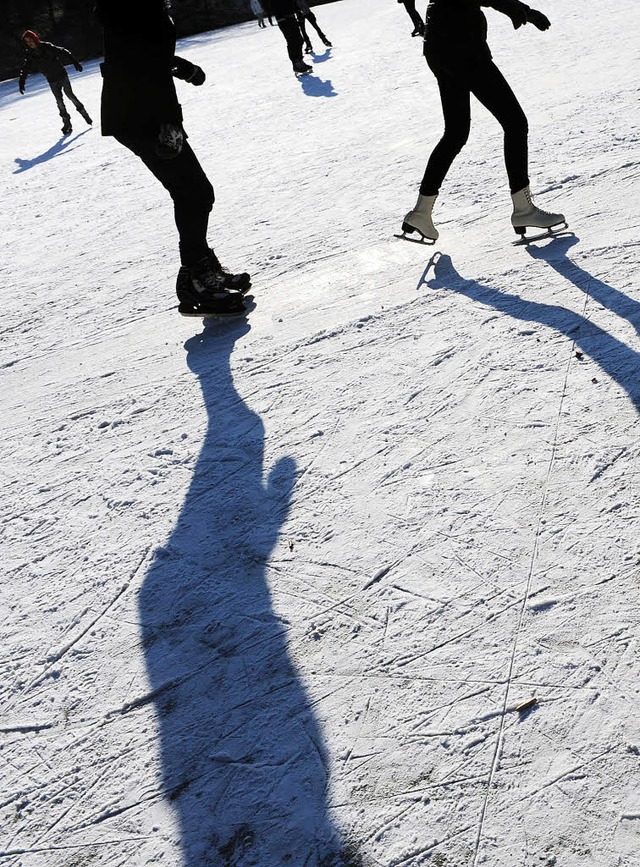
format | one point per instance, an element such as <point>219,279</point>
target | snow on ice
<point>354,581</point>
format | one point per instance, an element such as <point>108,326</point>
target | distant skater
<point>418,23</point>
<point>140,109</point>
<point>286,16</point>
<point>258,11</point>
<point>303,15</point>
<point>457,52</point>
<point>51,60</point>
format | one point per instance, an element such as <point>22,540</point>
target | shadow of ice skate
<point>63,145</point>
<point>243,761</point>
<point>616,359</point>
<point>321,58</point>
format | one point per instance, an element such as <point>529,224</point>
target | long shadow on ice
<point>615,358</point>
<point>60,147</point>
<point>555,254</point>
<point>244,764</point>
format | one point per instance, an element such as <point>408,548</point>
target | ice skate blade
<point>426,242</point>
<point>551,232</point>
<point>199,314</point>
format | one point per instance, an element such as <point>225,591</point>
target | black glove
<point>21,87</point>
<point>187,71</point>
<point>538,19</point>
<point>517,12</point>
<point>78,66</point>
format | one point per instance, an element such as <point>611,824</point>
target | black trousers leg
<point>490,88</point>
<point>184,179</point>
<point>456,108</point>
<point>66,86</point>
<point>56,89</point>
<point>493,91</point>
<point>285,12</point>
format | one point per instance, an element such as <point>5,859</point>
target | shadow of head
<point>314,86</point>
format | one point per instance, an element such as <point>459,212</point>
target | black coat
<point>48,59</point>
<point>138,90</point>
<point>456,30</point>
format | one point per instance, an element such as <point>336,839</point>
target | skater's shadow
<point>616,359</point>
<point>243,760</point>
<point>321,58</point>
<point>555,254</point>
<point>314,86</point>
<point>63,145</point>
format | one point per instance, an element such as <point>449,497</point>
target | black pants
<point>64,86</point>
<point>184,179</point>
<point>483,79</point>
<point>313,21</point>
<point>285,12</point>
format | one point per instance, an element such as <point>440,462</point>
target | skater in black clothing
<point>458,55</point>
<point>304,14</point>
<point>285,12</point>
<point>140,109</point>
<point>418,23</point>
<point>50,60</point>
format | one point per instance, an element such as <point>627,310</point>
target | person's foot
<point>201,292</point>
<point>236,282</point>
<point>85,116</point>
<point>67,129</point>
<point>301,68</point>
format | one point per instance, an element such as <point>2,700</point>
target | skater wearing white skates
<point>457,52</point>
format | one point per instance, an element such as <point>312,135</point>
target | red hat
<point>33,35</point>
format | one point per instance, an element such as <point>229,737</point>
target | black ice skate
<point>324,39</point>
<point>201,292</point>
<point>85,116</point>
<point>301,68</point>
<point>67,129</point>
<point>308,49</point>
<point>235,282</point>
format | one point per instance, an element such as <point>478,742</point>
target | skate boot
<point>201,292</point>
<point>324,39</point>
<point>301,68</point>
<point>308,48</point>
<point>526,214</point>
<point>67,129</point>
<point>85,116</point>
<point>419,220</point>
<point>234,282</point>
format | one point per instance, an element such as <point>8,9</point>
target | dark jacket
<point>48,59</point>
<point>138,90</point>
<point>456,30</point>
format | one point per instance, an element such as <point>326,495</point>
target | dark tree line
<point>71,23</point>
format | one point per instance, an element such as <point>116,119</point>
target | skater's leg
<point>184,179</point>
<point>491,88</point>
<point>311,18</point>
<point>289,28</point>
<point>56,89</point>
<point>66,86</point>
<point>456,108</point>
<point>303,30</point>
